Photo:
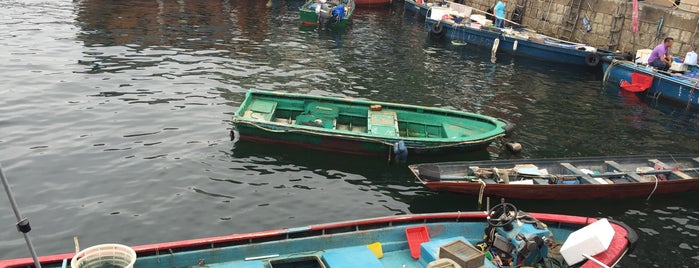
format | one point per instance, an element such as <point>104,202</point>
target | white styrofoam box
<point>436,13</point>
<point>591,240</point>
<point>678,67</point>
<point>642,55</point>
<point>522,182</point>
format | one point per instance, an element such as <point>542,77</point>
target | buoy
<point>496,43</point>
<point>437,30</point>
<point>400,151</point>
<point>592,59</point>
<point>514,46</point>
<point>513,147</point>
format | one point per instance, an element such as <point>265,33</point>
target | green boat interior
<point>361,118</point>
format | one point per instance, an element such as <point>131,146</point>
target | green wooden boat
<point>310,18</point>
<point>360,126</point>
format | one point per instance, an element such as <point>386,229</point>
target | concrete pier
<point>610,21</point>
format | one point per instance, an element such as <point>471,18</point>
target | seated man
<point>660,57</point>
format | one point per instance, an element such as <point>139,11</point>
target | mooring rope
<point>470,142</point>
<point>654,187</point>
<point>480,193</point>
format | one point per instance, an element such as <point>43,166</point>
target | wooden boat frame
<point>677,181</point>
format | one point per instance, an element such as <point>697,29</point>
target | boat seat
<point>639,82</point>
<point>384,122</point>
<point>674,173</point>
<point>575,171</point>
<point>351,257</point>
<point>261,109</point>
<point>239,264</point>
<point>454,131</point>
<point>614,165</point>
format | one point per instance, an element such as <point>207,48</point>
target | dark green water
<point>114,122</point>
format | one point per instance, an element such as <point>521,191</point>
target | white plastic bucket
<point>104,256</point>
<point>690,58</point>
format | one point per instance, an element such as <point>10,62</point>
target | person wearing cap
<point>499,13</point>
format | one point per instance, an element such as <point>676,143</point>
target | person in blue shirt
<point>339,12</point>
<point>499,13</point>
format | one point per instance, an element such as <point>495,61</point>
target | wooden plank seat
<point>384,122</point>
<point>261,110</point>
<point>631,173</point>
<point>581,175</point>
<point>674,174</point>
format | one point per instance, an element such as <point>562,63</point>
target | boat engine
<point>516,237</point>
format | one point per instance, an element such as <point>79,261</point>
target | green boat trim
<point>266,113</point>
<point>310,18</point>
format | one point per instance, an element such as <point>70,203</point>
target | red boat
<point>407,240</point>
<point>564,178</point>
<point>373,2</point>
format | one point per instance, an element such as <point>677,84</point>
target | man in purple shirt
<point>660,57</point>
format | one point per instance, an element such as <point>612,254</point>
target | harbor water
<point>115,120</point>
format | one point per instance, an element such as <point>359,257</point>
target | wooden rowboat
<point>361,126</point>
<point>396,241</point>
<point>565,178</point>
<point>310,18</point>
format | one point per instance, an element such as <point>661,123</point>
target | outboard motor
<point>514,236</point>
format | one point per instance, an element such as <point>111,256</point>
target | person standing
<point>499,13</point>
<point>323,12</point>
<point>660,57</point>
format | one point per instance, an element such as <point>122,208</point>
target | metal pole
<point>22,223</point>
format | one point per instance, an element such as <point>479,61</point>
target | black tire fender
<point>592,59</point>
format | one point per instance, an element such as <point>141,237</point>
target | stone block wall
<point>549,17</point>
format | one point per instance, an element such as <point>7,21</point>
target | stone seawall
<point>610,21</point>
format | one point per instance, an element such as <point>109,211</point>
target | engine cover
<point>525,243</point>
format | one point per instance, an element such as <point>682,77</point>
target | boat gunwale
<point>497,131</point>
<point>521,42</point>
<point>370,223</point>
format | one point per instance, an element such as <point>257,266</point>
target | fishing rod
<point>22,223</point>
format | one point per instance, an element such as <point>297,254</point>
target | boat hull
<point>419,9</point>
<point>344,144</point>
<point>485,37</point>
<point>260,248</point>
<point>674,182</point>
<point>356,129</point>
<point>663,86</point>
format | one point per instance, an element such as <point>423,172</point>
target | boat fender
<point>400,151</point>
<point>592,59</point>
<point>514,46</point>
<point>437,30</point>
<point>631,235</point>
<point>496,43</point>
<point>509,127</point>
<point>513,147</point>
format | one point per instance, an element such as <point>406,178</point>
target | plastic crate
<point>465,255</point>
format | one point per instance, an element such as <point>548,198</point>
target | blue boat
<point>417,8</point>
<point>664,85</point>
<point>397,241</point>
<point>454,21</point>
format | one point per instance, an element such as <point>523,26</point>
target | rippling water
<point>114,122</point>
